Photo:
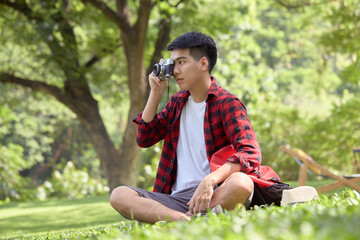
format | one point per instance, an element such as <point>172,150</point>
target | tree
<point>54,22</point>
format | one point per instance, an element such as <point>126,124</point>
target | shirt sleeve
<point>150,133</point>
<point>241,134</point>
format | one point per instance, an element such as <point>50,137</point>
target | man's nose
<point>176,70</point>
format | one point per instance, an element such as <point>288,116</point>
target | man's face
<point>187,70</point>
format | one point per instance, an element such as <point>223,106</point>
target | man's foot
<point>299,195</point>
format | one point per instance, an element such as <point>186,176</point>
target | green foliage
<point>343,36</point>
<point>333,218</point>
<point>296,69</point>
<point>71,183</point>
<point>11,162</point>
<point>31,134</point>
<point>336,147</point>
<point>330,217</point>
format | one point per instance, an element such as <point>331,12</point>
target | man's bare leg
<point>235,190</point>
<point>131,205</point>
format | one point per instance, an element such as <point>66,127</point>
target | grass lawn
<point>19,219</point>
<point>334,216</point>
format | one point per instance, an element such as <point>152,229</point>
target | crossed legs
<point>235,190</point>
<point>131,205</point>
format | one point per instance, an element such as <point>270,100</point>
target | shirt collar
<point>213,90</point>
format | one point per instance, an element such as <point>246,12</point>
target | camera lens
<point>157,69</point>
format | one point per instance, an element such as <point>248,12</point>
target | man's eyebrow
<point>180,58</point>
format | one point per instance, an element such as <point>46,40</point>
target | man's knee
<point>240,183</point>
<point>120,197</point>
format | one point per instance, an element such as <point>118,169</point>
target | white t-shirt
<point>192,162</point>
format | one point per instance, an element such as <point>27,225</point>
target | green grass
<point>20,219</point>
<point>334,216</point>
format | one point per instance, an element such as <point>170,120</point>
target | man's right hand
<point>156,85</point>
<point>157,89</point>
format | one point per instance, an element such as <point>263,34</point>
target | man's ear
<point>204,63</point>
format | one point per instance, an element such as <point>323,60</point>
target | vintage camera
<point>164,70</point>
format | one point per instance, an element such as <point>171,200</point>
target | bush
<point>13,185</point>
<point>71,183</point>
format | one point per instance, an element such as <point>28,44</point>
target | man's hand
<point>156,84</point>
<point>201,199</point>
<point>157,89</point>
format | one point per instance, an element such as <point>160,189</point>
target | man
<point>198,121</point>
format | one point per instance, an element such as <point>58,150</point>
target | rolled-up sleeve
<point>149,133</point>
<point>241,134</point>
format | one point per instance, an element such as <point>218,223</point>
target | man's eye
<point>181,62</point>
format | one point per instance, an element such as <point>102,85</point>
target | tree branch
<point>143,16</point>
<point>118,18</point>
<point>32,84</point>
<point>21,6</point>
<point>161,41</point>
<point>123,9</point>
<point>163,35</point>
<point>177,4</point>
<point>98,57</point>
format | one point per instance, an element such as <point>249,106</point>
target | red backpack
<point>264,177</point>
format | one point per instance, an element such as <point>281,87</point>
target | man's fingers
<point>196,207</point>
<point>202,207</point>
<point>155,79</point>
<point>191,206</point>
<point>205,205</point>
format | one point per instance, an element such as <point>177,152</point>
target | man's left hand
<point>201,199</point>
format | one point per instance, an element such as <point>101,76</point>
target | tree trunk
<point>130,154</point>
<point>81,102</point>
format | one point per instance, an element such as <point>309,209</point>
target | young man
<point>199,120</point>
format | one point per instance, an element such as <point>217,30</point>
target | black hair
<point>199,45</point>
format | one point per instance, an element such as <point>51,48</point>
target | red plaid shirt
<point>225,123</point>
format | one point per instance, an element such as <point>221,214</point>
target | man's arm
<point>241,134</point>
<point>151,130</point>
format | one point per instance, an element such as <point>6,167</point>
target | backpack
<point>267,186</point>
<point>265,176</point>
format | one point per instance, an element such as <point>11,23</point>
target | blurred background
<point>73,75</point>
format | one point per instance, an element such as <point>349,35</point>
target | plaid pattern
<point>225,123</point>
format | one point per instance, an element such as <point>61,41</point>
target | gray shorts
<point>179,200</point>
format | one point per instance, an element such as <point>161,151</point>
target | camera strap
<point>167,95</point>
